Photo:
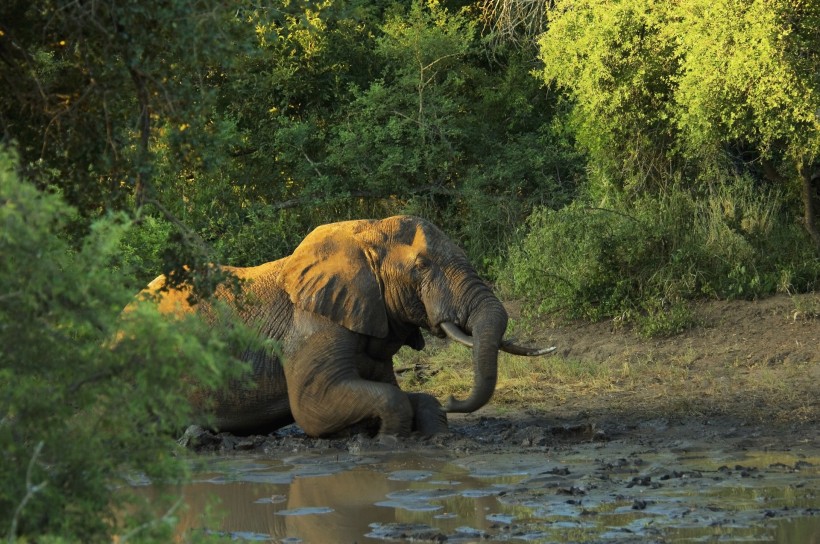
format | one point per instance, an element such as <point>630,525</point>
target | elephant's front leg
<point>429,417</point>
<point>327,394</point>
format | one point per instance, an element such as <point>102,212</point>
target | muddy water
<point>586,495</point>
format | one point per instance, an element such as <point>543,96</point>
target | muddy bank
<point>490,431</point>
<point>523,477</point>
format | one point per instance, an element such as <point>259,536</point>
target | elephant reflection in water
<point>350,497</point>
<point>257,508</point>
<point>340,307</point>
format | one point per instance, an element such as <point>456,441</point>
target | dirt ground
<point>748,368</point>
<point>773,331</point>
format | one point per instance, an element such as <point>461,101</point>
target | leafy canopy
<point>663,77</point>
<point>750,73</point>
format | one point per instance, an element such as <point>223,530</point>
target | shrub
<point>644,257</point>
<point>87,400</point>
<point>262,234</point>
<point>141,248</point>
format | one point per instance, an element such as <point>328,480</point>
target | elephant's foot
<point>429,417</point>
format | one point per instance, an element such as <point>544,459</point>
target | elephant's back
<point>265,307</point>
<point>170,302</point>
<point>264,300</point>
<point>259,273</point>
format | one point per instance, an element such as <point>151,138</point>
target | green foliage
<point>447,135</point>
<point>579,260</point>
<point>650,78</point>
<point>662,318</point>
<point>141,248</point>
<point>725,46</point>
<point>87,400</point>
<point>687,87</point>
<point>263,234</point>
<point>345,110</point>
<point>616,60</point>
<point>642,259</point>
<point>238,130</point>
<point>109,101</point>
<point>699,121</point>
<point>807,307</point>
<point>91,86</point>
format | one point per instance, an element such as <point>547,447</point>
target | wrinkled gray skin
<point>341,306</point>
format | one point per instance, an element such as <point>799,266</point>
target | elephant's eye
<point>423,263</point>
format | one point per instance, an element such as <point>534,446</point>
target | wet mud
<point>514,478</point>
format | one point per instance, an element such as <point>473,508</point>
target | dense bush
<point>642,259</point>
<point>87,400</point>
<point>229,133</point>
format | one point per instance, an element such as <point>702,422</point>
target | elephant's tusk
<point>455,333</point>
<point>510,347</point>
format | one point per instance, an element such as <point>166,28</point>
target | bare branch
<point>31,490</point>
<point>516,21</point>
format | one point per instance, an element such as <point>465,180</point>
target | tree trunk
<point>810,178</point>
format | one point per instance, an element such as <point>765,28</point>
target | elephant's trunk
<point>486,324</point>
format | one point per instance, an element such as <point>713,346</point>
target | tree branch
<point>31,490</point>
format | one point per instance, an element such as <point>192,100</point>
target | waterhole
<point>589,495</point>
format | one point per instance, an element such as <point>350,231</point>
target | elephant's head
<point>387,278</point>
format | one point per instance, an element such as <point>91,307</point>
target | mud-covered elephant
<point>350,295</point>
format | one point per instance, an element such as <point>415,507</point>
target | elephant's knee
<point>317,428</point>
<point>350,402</point>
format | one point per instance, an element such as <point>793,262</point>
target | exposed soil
<point>746,364</point>
<point>773,331</point>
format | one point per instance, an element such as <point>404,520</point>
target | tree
<point>454,129</point>
<point>616,61</point>
<point>751,74</point>
<point>404,131</point>
<point>108,101</point>
<point>663,87</point>
<point>91,87</point>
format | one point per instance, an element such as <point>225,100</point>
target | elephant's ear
<point>331,274</point>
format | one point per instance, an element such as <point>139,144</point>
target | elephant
<point>340,306</point>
